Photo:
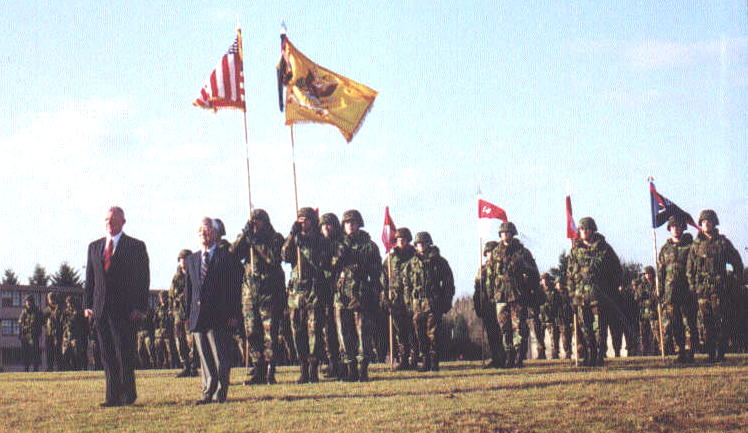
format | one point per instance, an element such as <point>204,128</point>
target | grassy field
<point>628,395</point>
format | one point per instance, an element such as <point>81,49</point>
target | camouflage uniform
<point>357,296</point>
<point>706,270</point>
<point>144,349</point>
<point>164,333</point>
<point>485,309</point>
<point>182,335</point>
<point>680,305</point>
<point>624,321</point>
<point>428,286</point>
<point>304,304</point>
<point>514,277</point>
<point>565,317</point>
<point>594,273</point>
<point>648,326</point>
<point>549,313</point>
<point>393,296</point>
<point>331,270</point>
<point>263,289</point>
<point>30,327</point>
<point>74,336</point>
<point>53,332</point>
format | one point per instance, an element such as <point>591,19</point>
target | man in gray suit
<point>213,298</point>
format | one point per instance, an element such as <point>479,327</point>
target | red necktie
<point>108,254</point>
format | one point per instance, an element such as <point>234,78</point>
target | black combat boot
<point>519,359</point>
<point>313,370</point>
<point>271,374</point>
<point>510,358</point>
<point>257,373</point>
<point>425,365</point>
<point>342,372</point>
<point>363,371</point>
<point>352,372</point>
<point>304,369</point>
<point>332,369</point>
<point>434,362</point>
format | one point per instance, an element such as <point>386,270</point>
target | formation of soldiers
<point>691,293</point>
<point>65,330</point>
<point>324,316</point>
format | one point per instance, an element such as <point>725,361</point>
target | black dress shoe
<point>110,404</point>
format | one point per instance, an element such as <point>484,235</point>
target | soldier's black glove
<point>249,232</point>
<point>296,229</point>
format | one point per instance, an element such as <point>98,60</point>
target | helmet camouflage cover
<point>588,223</point>
<point>708,214</point>
<point>423,238</point>
<point>353,215</point>
<point>508,227</point>
<point>403,232</point>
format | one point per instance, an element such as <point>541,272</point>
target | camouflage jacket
<point>331,268</point>
<point>428,282</point>
<point>163,321</point>
<point>594,271</point>
<point>706,268</point>
<point>263,276</point>
<point>550,310</point>
<point>394,264</point>
<point>144,325</point>
<point>483,294</point>
<point>671,269</point>
<point>177,299</point>
<point>30,324</point>
<point>359,283</point>
<point>512,273</point>
<point>646,300</point>
<point>53,323</point>
<point>314,251</point>
<point>75,326</point>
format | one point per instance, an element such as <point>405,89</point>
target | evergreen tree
<point>10,278</point>
<point>66,276</point>
<point>40,277</point>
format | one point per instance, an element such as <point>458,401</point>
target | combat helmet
<point>676,221</point>
<point>490,245</point>
<point>708,214</point>
<point>184,254</point>
<point>403,232</point>
<point>353,215</point>
<point>508,227</point>
<point>649,270</point>
<point>329,218</point>
<point>423,238</point>
<point>309,214</point>
<point>260,215</point>
<point>588,223</point>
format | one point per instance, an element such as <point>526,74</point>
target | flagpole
<point>389,294</point>
<point>574,312</point>
<point>480,295</point>
<point>650,179</point>
<point>296,199</point>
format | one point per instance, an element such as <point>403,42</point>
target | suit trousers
<point>215,362</point>
<point>117,340</point>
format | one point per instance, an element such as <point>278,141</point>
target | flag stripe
<point>225,85</point>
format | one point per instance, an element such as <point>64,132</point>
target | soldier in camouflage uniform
<point>393,297</point>
<point>144,351</point>
<point>30,327</point>
<point>182,335</point>
<point>485,309</point>
<point>514,278</point>
<point>706,270</point>
<point>74,336</point>
<point>357,296</point>
<point>549,313</point>
<point>332,231</point>
<point>625,313</point>
<point>680,305</point>
<point>53,332</point>
<point>305,305</point>
<point>594,273</point>
<point>164,332</point>
<point>646,299</point>
<point>259,247</point>
<point>429,287</point>
<point>565,317</point>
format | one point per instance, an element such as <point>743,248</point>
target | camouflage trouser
<point>554,332</point>
<point>355,332</point>
<point>534,323</point>
<point>185,346</point>
<point>332,344</point>
<point>566,330</point>
<point>162,346</point>
<point>261,324</point>
<point>679,318</point>
<point>307,324</point>
<point>712,316</point>
<point>426,325</point>
<point>594,329</point>
<point>402,322</point>
<point>512,318</point>
<point>72,354</point>
<point>145,349</point>
<point>30,353</point>
<point>54,353</point>
<point>647,338</point>
<point>493,333</point>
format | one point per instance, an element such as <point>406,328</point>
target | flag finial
<point>284,30</point>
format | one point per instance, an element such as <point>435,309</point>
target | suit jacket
<point>216,299</point>
<point>124,287</point>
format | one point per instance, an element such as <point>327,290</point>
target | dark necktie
<point>108,254</point>
<point>204,266</point>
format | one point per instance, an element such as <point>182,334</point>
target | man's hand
<point>88,313</point>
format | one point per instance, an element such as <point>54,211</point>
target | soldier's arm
<point>691,268</point>
<point>732,256</point>
<point>661,265</point>
<point>240,247</point>
<point>270,253</point>
<point>288,251</point>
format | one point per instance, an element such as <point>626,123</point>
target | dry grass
<point>630,395</point>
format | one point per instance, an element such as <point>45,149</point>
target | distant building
<point>11,303</point>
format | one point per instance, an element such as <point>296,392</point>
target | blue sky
<point>527,101</point>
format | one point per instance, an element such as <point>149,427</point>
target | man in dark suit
<point>213,297</point>
<point>117,280</point>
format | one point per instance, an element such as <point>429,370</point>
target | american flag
<point>225,86</point>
